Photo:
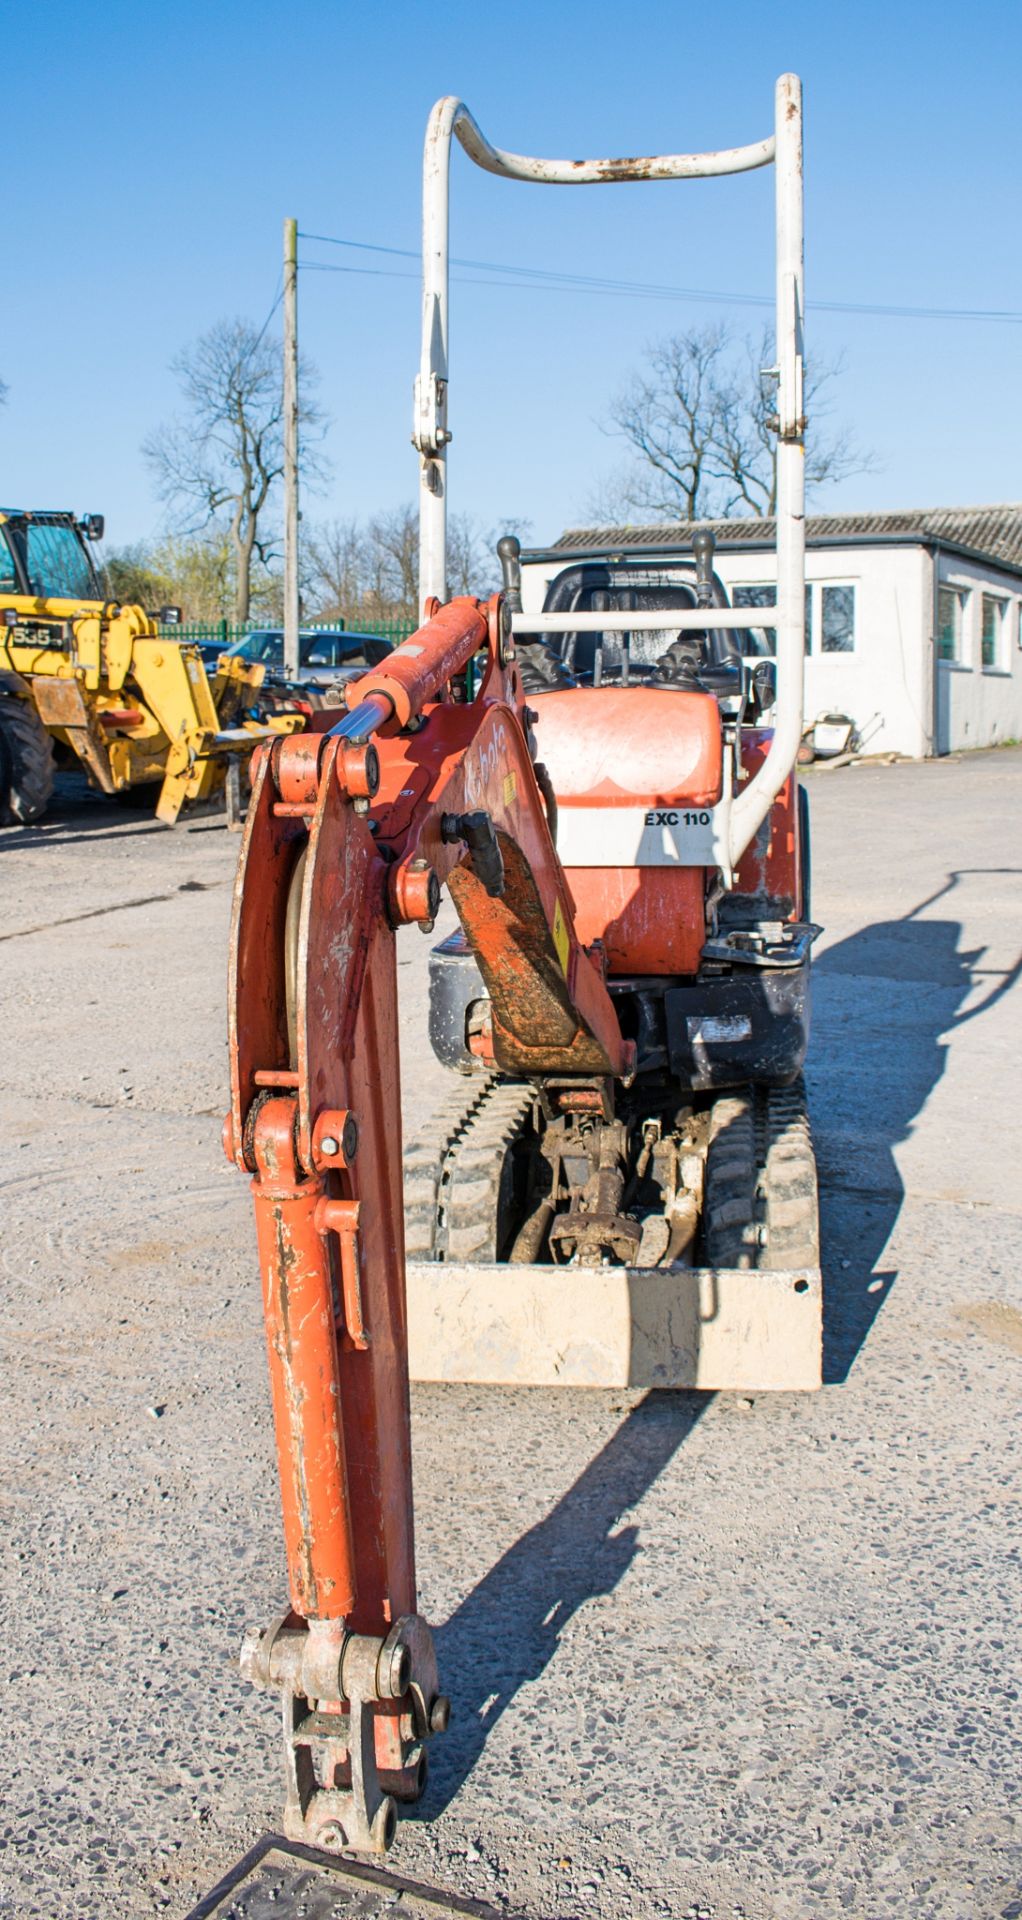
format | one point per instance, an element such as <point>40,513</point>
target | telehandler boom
<point>627,1005</point>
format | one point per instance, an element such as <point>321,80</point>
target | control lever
<point>509,553</point>
<point>478,833</point>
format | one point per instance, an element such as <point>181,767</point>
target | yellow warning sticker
<point>510,789</point>
<point>561,938</point>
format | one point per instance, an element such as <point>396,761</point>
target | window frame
<point>999,664</point>
<point>770,586</point>
<point>962,595</point>
<point>846,585</point>
<point>9,582</point>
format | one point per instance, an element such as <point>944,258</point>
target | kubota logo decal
<point>481,769</point>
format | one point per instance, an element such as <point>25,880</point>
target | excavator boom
<point>315,1119</point>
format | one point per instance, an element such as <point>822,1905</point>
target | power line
<point>553,285</point>
<point>561,282</point>
<point>522,286</point>
<point>543,276</point>
<point>277,300</point>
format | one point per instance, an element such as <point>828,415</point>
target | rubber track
<point>456,1172</point>
<point>760,1207</point>
<point>789,1182</point>
<point>729,1197</point>
<point>26,756</point>
<point>424,1161</point>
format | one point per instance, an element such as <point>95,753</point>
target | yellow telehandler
<point>83,677</point>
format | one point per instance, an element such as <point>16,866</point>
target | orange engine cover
<point>648,747</point>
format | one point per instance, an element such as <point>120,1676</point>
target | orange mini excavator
<point>606,788</point>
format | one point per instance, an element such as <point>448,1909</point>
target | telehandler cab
<point>622,1188</point>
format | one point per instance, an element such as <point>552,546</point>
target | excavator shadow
<point>506,1630</point>
<point>887,1003</point>
<point>900,988</point>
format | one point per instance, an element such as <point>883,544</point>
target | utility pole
<point>291,449</point>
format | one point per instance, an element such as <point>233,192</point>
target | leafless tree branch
<point>221,464</point>
<point>698,423</point>
<point>372,570</point>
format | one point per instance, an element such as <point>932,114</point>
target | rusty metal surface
<point>347,1054</point>
<point>278,1879</point>
<point>60,703</point>
<point>554,1012</point>
<point>59,700</point>
<point>302,1348</point>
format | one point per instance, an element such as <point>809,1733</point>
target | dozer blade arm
<point>315,1119</point>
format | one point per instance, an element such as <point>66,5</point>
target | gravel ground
<point>708,1655</point>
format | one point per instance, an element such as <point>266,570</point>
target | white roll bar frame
<point>450,117</point>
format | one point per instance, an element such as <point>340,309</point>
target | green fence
<point>221,633</point>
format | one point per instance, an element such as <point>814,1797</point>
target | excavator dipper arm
<point>315,1120</point>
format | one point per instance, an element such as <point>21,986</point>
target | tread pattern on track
<point>789,1182</point>
<point>458,1172</point>
<point>729,1197</point>
<point>761,1208</point>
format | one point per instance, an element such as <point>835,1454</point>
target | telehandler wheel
<point>26,764</point>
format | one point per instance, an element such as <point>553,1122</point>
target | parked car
<point>326,660</point>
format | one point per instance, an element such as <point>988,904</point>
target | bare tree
<point>700,423</point>
<point>371,571</point>
<point>334,564</point>
<point>393,540</point>
<point>669,416</point>
<point>221,464</point>
<point>471,561</point>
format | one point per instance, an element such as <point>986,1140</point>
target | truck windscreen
<point>53,560</point>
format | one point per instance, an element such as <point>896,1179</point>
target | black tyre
<point>26,764</point>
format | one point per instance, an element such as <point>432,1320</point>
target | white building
<point>913,619</point>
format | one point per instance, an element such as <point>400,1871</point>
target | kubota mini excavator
<point>629,1147</point>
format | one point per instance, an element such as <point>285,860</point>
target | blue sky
<point>154,152</point>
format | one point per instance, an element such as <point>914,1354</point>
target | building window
<point>991,647</point>
<point>766,596</point>
<point>951,605</point>
<point>837,622</point>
